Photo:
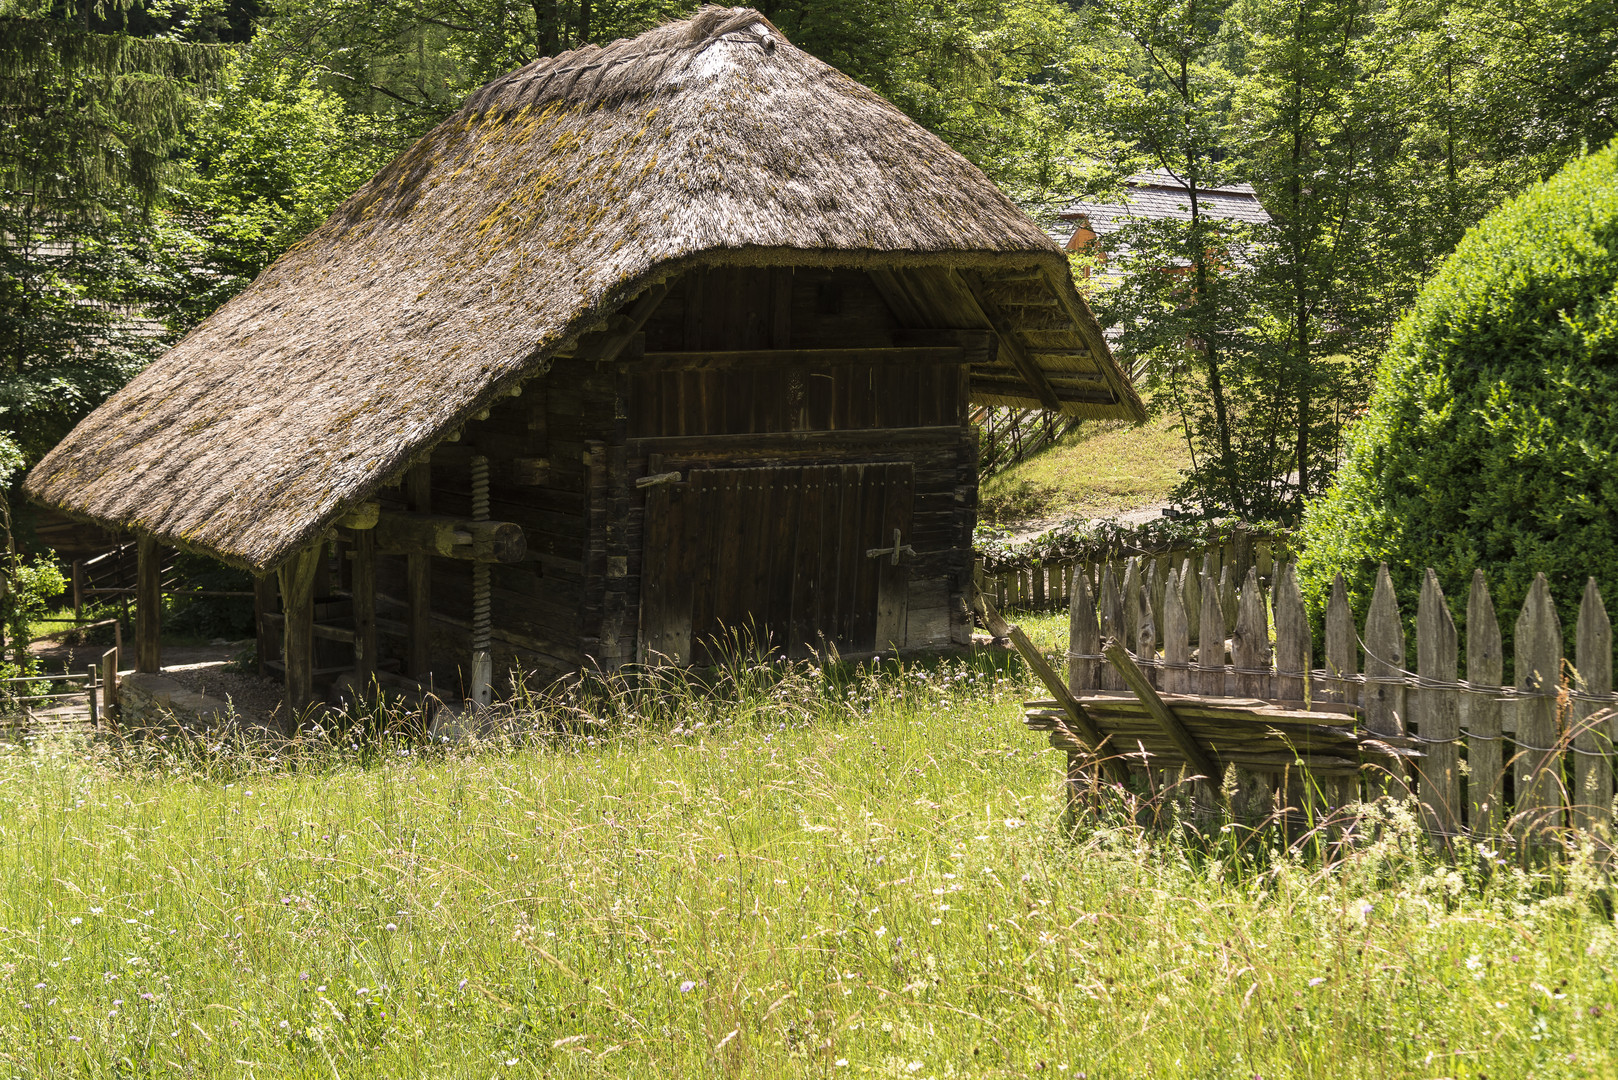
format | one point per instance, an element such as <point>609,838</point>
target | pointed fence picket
<point>1481,756</point>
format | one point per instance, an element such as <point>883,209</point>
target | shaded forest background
<point>156,155</point>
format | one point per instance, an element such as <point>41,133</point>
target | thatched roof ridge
<point>556,195</point>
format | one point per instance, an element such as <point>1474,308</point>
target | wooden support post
<point>1439,716</point>
<point>363,590</point>
<point>1538,666</point>
<point>1480,711</point>
<point>78,590</point>
<point>109,682</point>
<point>264,606</point>
<point>418,580</point>
<point>1592,735</point>
<point>90,689</point>
<point>297,578</point>
<point>148,605</point>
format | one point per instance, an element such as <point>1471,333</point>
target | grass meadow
<point>1104,468</point>
<point>797,876</point>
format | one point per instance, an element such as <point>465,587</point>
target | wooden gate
<point>796,557</point>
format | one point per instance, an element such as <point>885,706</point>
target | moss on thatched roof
<point>554,196</point>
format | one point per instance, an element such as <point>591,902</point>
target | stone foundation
<point>146,700</point>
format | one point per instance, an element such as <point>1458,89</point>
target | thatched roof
<point>554,196</point>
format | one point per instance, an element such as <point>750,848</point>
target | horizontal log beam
<point>399,532</point>
<point>872,440</point>
<point>744,358</point>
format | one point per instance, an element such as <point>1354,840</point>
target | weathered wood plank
<point>1211,642</point>
<point>1112,624</point>
<point>1537,665</point>
<point>1175,676</point>
<point>1191,598</point>
<point>1342,646</point>
<point>1084,638</point>
<point>1250,644</point>
<point>1480,711</point>
<point>1438,714</point>
<point>1227,599</point>
<point>1593,740</point>
<point>1131,599</point>
<point>1384,696</point>
<point>1294,648</point>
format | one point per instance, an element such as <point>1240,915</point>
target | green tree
<point>89,123</point>
<point>1491,441</point>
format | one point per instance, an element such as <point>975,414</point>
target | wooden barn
<point>646,342</point>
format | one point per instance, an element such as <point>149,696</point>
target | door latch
<point>896,550</point>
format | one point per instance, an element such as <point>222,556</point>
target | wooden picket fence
<point>1495,757</point>
<point>1047,585</point>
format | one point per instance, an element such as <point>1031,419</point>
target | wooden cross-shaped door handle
<point>896,550</point>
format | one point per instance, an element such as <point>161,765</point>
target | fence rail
<point>1537,750</point>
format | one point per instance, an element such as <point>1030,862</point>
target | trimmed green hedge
<point>1491,440</point>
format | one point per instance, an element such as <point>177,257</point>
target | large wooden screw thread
<point>482,691</point>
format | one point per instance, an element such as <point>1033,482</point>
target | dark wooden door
<point>793,558</point>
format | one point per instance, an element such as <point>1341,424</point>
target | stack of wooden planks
<point>1253,734</point>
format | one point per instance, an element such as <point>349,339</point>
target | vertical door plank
<point>804,618</point>
<point>1438,715</point>
<point>1480,711</point>
<point>1537,664</point>
<point>893,578</point>
<point>1592,763</point>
